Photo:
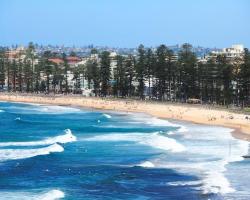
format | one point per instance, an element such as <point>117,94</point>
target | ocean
<point>54,152</point>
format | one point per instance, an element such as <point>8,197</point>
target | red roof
<point>56,60</point>
<point>73,59</point>
<point>70,59</point>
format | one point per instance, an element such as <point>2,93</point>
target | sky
<point>125,23</point>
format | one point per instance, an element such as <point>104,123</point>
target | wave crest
<point>107,116</point>
<point>50,195</point>
<point>146,164</point>
<point>14,154</point>
<point>42,109</point>
<point>154,140</point>
<point>222,149</point>
<point>66,138</point>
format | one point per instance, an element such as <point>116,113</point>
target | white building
<point>232,53</point>
<point>113,63</point>
<point>236,50</point>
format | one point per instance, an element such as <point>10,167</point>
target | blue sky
<point>127,23</point>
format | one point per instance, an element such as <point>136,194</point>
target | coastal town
<point>179,73</point>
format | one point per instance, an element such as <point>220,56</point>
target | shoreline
<point>180,112</point>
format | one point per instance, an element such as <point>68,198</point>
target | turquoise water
<point>53,152</point>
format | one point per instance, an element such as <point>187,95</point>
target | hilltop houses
<point>69,70</point>
<point>233,54</point>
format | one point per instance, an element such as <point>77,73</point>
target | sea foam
<point>146,164</point>
<point>65,138</point>
<point>107,116</point>
<point>42,109</point>
<point>208,152</point>
<point>14,154</point>
<point>154,140</point>
<point>50,195</point>
<point>184,183</point>
<point>153,121</point>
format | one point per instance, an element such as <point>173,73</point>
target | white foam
<point>179,131</point>
<point>163,142</point>
<point>209,149</point>
<point>14,154</point>
<point>184,183</point>
<point>1,111</point>
<point>212,177</point>
<point>171,133</point>
<point>107,116</point>
<point>216,182</point>
<point>44,109</point>
<point>57,109</point>
<point>66,138</point>
<point>154,140</point>
<point>182,129</point>
<point>50,195</point>
<point>146,164</point>
<point>160,122</point>
<point>208,152</point>
<point>153,121</point>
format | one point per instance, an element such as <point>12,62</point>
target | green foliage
<point>105,73</point>
<point>92,73</point>
<point>188,72</point>
<point>153,72</point>
<point>2,68</point>
<point>141,70</point>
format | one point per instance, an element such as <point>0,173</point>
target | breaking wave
<point>66,138</point>
<point>153,121</point>
<point>184,183</point>
<point>50,195</point>
<point>107,116</point>
<point>154,140</point>
<point>43,109</point>
<point>182,129</point>
<point>14,154</point>
<point>146,164</point>
<point>214,146</point>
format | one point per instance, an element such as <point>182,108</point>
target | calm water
<point>52,152</point>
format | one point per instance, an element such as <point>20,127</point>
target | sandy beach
<point>190,113</point>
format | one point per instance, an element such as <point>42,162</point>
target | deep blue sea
<point>55,152</point>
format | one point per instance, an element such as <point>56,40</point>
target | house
<point>57,61</point>
<point>73,60</point>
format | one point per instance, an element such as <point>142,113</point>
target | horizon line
<point>119,47</point>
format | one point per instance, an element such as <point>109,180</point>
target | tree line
<point>154,73</point>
